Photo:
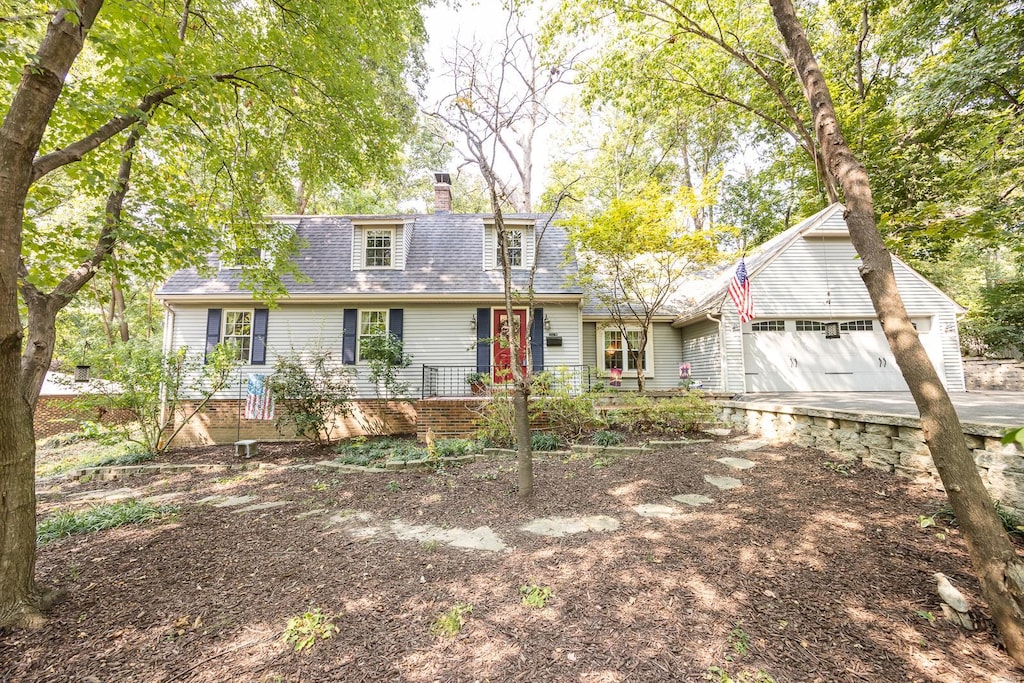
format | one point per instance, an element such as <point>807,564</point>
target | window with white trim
<point>618,352</point>
<point>514,239</point>
<point>857,326</point>
<point>768,326</point>
<point>809,326</point>
<point>378,247</point>
<point>238,332</point>
<point>372,324</point>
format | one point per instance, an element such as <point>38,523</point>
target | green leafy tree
<point>139,380</point>
<point>385,359</point>
<point>312,392</point>
<point>214,112</point>
<point>635,255</point>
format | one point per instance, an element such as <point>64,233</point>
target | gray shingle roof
<point>444,256</point>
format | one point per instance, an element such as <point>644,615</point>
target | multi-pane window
<point>514,238</point>
<point>619,355</point>
<point>372,324</point>
<point>238,331</point>
<point>857,326</point>
<point>809,326</point>
<point>378,248</point>
<point>769,326</point>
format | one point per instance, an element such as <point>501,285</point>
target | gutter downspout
<point>166,350</point>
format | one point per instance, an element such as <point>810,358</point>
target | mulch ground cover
<point>805,573</point>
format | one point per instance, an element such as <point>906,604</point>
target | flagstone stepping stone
<point>163,498</point>
<point>718,431</point>
<point>481,538</point>
<point>270,504</point>
<point>742,446</point>
<point>659,511</point>
<point>694,499</point>
<point>723,483</point>
<point>556,527</point>
<point>677,442</point>
<point>737,463</point>
<point>311,513</point>
<point>220,501</point>
<point>104,496</point>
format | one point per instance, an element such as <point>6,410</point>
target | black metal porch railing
<point>467,380</point>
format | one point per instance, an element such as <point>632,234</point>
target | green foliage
<point>1012,523</point>
<point>451,622</point>
<point>303,631</point>
<point>721,675</point>
<point>312,392</point>
<point>496,421</point>
<point>362,451</point>
<point>544,441</point>
<point>454,448</point>
<point>99,518</point>
<point>568,412</point>
<point>1014,436</point>
<point>676,415</point>
<point>157,390</point>
<point>385,360</point>
<point>606,438</point>
<point>996,326</point>
<point>536,596</point>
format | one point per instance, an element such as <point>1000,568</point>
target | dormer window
<point>378,250</point>
<point>515,248</point>
<point>519,235</point>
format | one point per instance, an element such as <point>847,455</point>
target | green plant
<point>676,415</point>
<point>535,596</point>
<point>361,451</point>
<point>477,378</point>
<point>312,392</point>
<point>927,616</point>
<point>1012,523</point>
<point>544,441</point>
<point>451,622</point>
<point>454,448</point>
<point>385,359</point>
<point>605,438</point>
<point>720,675</point>
<point>568,412</point>
<point>496,421</point>
<point>393,486</point>
<point>99,518</point>
<point>739,640</point>
<point>302,631</point>
<point>840,468</point>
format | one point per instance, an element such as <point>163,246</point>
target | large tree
<point>999,569</point>
<point>217,112</point>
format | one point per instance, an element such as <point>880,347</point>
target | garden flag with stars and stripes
<point>739,292</point>
<point>259,403</point>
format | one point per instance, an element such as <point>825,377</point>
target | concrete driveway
<point>1004,408</point>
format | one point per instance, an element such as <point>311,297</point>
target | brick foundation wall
<point>985,374</point>
<point>219,423</point>
<point>893,444</point>
<point>450,418</point>
<point>58,415</point>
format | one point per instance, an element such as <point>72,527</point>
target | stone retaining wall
<point>988,374</point>
<point>886,442</point>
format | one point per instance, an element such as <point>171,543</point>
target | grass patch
<point>606,438</point>
<point>65,452</point>
<point>99,518</point>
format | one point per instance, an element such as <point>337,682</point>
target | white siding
<point>702,349</point>
<point>590,344</point>
<point>357,248</point>
<point>490,255</point>
<point>732,337</point>
<point>565,321</point>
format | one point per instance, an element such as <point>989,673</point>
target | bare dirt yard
<point>807,571</point>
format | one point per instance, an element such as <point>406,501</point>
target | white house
<point>800,280</point>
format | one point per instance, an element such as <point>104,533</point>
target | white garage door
<point>794,355</point>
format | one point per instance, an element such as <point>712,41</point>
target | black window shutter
<point>537,339</point>
<point>348,340</point>
<point>259,336</point>
<point>396,321</point>
<point>212,331</point>
<point>483,344</point>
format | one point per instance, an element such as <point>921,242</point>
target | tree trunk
<point>20,136</point>
<point>117,294</point>
<point>996,564</point>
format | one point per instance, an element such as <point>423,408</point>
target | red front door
<point>502,347</point>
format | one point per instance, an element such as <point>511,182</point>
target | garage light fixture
<point>831,330</point>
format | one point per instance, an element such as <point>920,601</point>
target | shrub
<point>312,392</point>
<point>606,438</point>
<point>99,518</point>
<point>454,448</point>
<point>544,441</point>
<point>568,412</point>
<point>370,451</point>
<point>451,622</point>
<point>302,631</point>
<point>496,421</point>
<point>641,413</point>
<point>385,359</point>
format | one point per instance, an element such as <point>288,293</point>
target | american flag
<point>739,292</point>
<point>259,403</point>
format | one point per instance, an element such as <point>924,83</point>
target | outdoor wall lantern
<point>831,330</point>
<point>472,322</point>
<point>81,373</point>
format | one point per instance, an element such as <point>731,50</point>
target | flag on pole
<point>259,403</point>
<point>739,292</point>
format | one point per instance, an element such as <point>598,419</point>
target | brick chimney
<point>442,193</point>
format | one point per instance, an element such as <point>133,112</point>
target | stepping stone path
<point>104,496</point>
<point>270,504</point>
<point>557,527</point>
<point>659,511</point>
<point>218,501</point>
<point>723,483</point>
<point>742,446</point>
<point>481,538</point>
<point>737,463</point>
<point>693,499</point>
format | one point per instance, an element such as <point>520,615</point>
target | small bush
<point>606,439</point>
<point>99,518</point>
<point>131,458</point>
<point>312,391</point>
<point>496,421</point>
<point>568,412</point>
<point>675,415</point>
<point>535,596</point>
<point>303,631</point>
<point>544,441</point>
<point>454,448</point>
<point>371,451</point>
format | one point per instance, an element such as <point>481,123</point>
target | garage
<point>794,355</point>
